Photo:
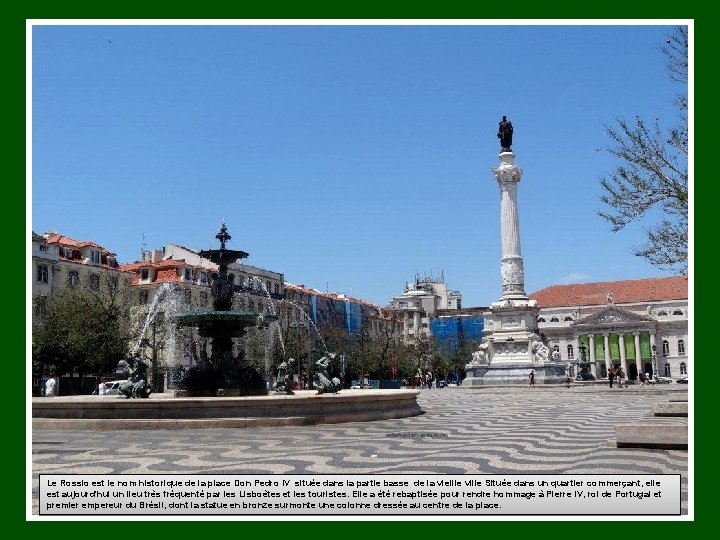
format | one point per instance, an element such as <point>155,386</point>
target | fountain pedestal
<point>222,372</point>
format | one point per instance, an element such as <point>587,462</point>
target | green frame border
<point>15,477</point>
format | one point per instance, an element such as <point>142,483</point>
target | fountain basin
<point>164,411</point>
<point>229,323</point>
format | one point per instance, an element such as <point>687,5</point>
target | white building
<point>421,301</point>
<point>59,261</point>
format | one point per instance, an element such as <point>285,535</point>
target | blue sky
<point>346,157</point>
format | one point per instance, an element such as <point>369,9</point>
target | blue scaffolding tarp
<point>453,330</point>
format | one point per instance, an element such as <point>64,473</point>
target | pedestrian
<point>428,381</point>
<point>532,378</point>
<point>619,374</point>
<point>567,381</point>
<point>641,377</point>
<point>611,376</point>
<point>50,387</point>
<point>102,388</point>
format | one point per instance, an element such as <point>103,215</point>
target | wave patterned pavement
<point>478,431</point>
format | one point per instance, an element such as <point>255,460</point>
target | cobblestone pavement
<point>480,431</point>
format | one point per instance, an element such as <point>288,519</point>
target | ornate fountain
<point>221,372</point>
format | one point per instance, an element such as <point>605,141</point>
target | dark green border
<point>13,37</point>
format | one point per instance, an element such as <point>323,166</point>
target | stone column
<point>511,267</point>
<point>608,362</point>
<point>406,325</point>
<point>638,354</point>
<point>593,359</point>
<point>418,324</point>
<point>623,358</point>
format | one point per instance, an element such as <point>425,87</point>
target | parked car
<point>358,386</point>
<point>441,383</point>
<point>113,388</point>
<point>682,380</point>
<point>662,380</point>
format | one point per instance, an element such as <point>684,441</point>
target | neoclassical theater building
<point>641,325</point>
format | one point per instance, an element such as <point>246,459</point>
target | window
<point>554,319</point>
<point>112,283</point>
<point>260,307</point>
<point>94,282</point>
<point>541,319</point>
<point>571,351</point>
<point>95,257</point>
<point>681,347</point>
<point>677,312</point>
<point>683,368</point>
<point>241,281</point>
<point>666,347</point>
<point>250,284</point>
<point>251,305</point>
<point>568,319</point>
<point>203,298</point>
<point>188,296</point>
<point>43,247</point>
<point>143,296</point>
<point>268,286</point>
<point>277,288</point>
<point>188,274</point>
<point>667,369</point>
<point>203,278</point>
<point>42,273</point>
<point>73,278</point>
<point>662,313</point>
<point>144,274</point>
<point>242,303</point>
<point>556,348</point>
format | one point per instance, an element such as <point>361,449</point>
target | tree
<point>654,173</point>
<point>84,329</point>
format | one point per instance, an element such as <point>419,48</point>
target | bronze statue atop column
<point>505,133</point>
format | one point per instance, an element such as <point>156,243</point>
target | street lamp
<point>159,318</point>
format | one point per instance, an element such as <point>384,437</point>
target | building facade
<point>421,302</point>
<point>59,261</point>
<point>353,315</point>
<point>639,325</point>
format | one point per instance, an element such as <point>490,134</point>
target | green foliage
<point>654,173</point>
<point>82,329</point>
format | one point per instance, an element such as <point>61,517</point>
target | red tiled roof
<point>624,292</point>
<point>167,263</point>
<point>166,275</point>
<point>54,238</point>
